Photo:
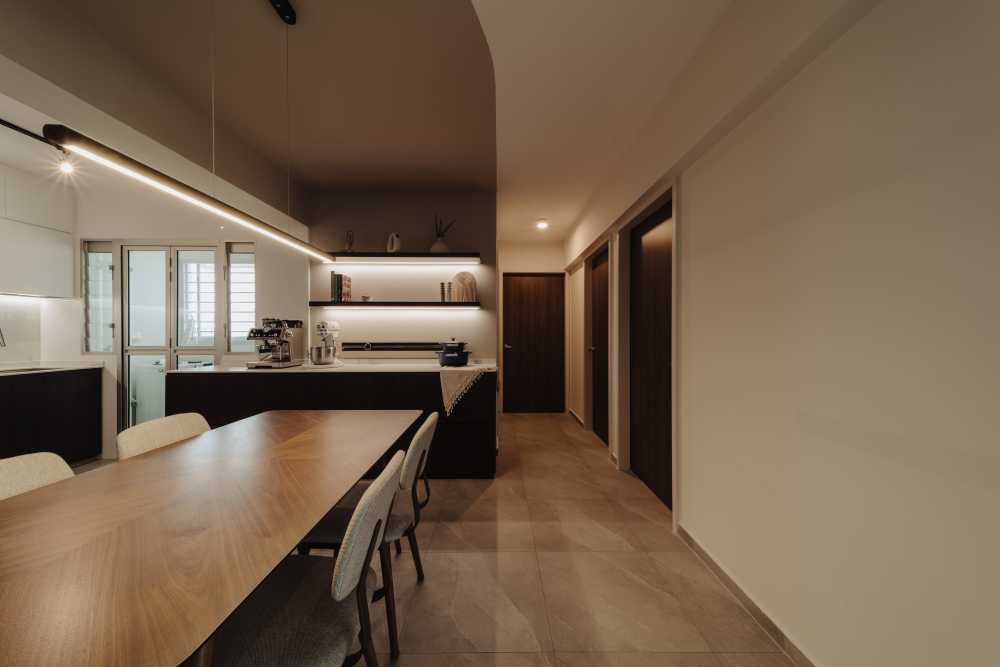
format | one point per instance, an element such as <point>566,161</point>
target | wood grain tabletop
<point>138,562</point>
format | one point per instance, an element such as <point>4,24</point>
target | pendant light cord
<point>288,127</point>
<point>211,42</point>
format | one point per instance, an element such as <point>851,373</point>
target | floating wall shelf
<point>408,258</point>
<point>459,305</point>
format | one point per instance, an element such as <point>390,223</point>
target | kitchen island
<point>464,444</point>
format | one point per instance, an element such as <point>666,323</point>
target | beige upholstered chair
<point>403,522</point>
<point>157,433</point>
<point>20,474</point>
<point>297,616</point>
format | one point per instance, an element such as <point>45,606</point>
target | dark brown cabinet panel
<point>534,333</point>
<point>57,412</point>
<point>650,350</point>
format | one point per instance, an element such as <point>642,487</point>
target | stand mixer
<point>325,354</point>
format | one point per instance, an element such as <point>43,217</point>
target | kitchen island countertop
<point>30,367</point>
<point>353,366</point>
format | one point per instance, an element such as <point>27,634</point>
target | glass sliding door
<point>147,276</point>
<point>170,321</point>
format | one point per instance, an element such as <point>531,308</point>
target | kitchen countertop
<point>31,367</point>
<point>352,366</point>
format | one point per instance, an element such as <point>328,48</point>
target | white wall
<point>20,322</point>
<point>110,207</point>
<point>838,355</point>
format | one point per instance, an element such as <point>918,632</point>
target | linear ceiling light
<point>108,157</point>
<point>407,261</point>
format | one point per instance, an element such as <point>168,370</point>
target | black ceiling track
<point>285,10</point>
<point>30,134</point>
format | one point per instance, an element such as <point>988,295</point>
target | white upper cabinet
<point>44,201</point>
<point>37,221</point>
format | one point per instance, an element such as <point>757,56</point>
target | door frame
<point>171,349</point>
<point>502,384</point>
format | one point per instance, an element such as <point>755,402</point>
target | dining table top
<point>138,562</point>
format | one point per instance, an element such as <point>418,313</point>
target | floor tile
<point>478,509</point>
<point>720,618</point>
<point>561,552</point>
<point>562,524</point>
<point>473,602</point>
<point>471,660</point>
<point>637,660</point>
<point>755,660</point>
<point>650,509</point>
<point>472,535</point>
<point>561,484</point>
<point>613,602</point>
<point>452,489</point>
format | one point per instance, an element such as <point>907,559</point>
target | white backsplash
<point>21,322</point>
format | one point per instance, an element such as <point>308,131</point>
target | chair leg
<point>411,535</point>
<point>390,600</point>
<point>367,647</point>
<point>399,548</point>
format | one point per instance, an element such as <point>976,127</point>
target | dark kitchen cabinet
<point>464,443</point>
<point>58,411</point>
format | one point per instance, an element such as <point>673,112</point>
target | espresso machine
<point>282,343</point>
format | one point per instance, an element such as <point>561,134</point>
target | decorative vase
<point>439,245</point>
<point>393,243</point>
<point>465,287</point>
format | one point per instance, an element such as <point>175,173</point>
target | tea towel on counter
<point>455,383</point>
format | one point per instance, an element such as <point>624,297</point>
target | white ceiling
<point>576,81</point>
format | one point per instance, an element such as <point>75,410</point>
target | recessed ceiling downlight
<point>66,167</point>
<point>542,224</point>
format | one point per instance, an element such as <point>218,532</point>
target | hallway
<point>562,561</point>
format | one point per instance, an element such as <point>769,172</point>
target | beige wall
<point>523,257</point>
<point>755,47</point>
<point>838,354</point>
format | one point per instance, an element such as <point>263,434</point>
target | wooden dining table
<point>138,562</point>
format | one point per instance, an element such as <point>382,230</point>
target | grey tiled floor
<point>561,561</point>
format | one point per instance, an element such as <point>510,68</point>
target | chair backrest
<point>20,474</point>
<point>416,455</point>
<point>161,432</point>
<point>365,529</point>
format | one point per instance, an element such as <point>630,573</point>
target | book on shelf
<point>340,288</point>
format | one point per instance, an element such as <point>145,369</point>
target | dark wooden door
<point>533,342</point>
<point>599,344</point>
<point>650,351</point>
